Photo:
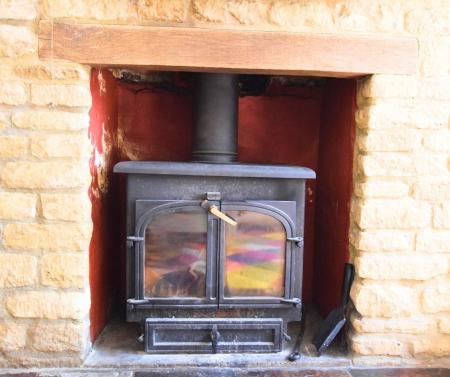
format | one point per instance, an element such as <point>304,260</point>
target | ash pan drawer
<point>210,335</point>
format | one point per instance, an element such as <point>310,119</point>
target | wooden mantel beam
<point>197,49</point>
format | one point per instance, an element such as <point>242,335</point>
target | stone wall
<point>400,231</point>
<point>44,204</point>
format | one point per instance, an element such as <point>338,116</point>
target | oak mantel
<point>240,51</point>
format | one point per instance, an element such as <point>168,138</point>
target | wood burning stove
<point>215,248</point>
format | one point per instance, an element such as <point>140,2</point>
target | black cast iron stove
<point>215,248</point>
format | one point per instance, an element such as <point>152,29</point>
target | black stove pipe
<point>216,98</point>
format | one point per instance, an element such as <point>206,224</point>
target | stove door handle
<point>218,213</point>
<point>294,301</point>
<point>213,210</point>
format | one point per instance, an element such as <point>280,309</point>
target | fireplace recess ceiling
<point>214,247</point>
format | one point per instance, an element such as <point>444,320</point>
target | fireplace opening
<point>282,120</point>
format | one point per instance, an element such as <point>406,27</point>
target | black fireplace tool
<point>334,322</point>
<point>295,355</point>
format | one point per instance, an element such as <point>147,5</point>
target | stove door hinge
<point>298,241</point>
<point>135,301</point>
<point>295,301</point>
<point>131,241</point>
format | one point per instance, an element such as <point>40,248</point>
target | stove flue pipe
<point>216,98</point>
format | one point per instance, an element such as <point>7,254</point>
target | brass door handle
<point>212,209</point>
<point>218,213</point>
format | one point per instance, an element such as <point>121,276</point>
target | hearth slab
<point>117,346</point>
<point>231,372</point>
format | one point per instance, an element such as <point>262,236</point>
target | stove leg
<point>215,336</point>
<point>140,334</point>
<point>295,355</point>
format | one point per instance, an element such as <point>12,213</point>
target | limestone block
<point>33,360</point>
<point>67,207</point>
<point>16,41</point>
<point>437,141</point>
<point>392,214</point>
<point>49,146</point>
<point>391,345</point>
<point>226,12</point>
<point>17,270</point>
<point>53,71</point>
<point>432,21</point>
<point>435,297</point>
<point>406,325</point>
<point>436,345</point>
<point>381,189</point>
<point>89,9</point>
<point>444,324</point>
<point>430,241</point>
<point>389,141</point>
<point>17,206</point>
<point>48,304</point>
<point>434,88</point>
<point>18,10</point>
<point>4,121</point>
<point>13,146</point>
<point>433,56</point>
<point>3,362</point>
<point>389,86</point>
<point>47,237</point>
<point>385,115</point>
<point>402,165</point>
<point>383,240</point>
<point>430,164</point>
<point>382,266</point>
<point>430,114</point>
<point>64,270</point>
<point>13,93</point>
<point>390,114</point>
<point>51,120</point>
<point>377,300</point>
<point>373,16</point>
<point>386,165</point>
<point>13,336</point>
<point>435,190</point>
<point>62,95</point>
<point>45,175</point>
<point>441,216</point>
<point>57,337</point>
<point>7,71</point>
<point>301,15</point>
<point>167,11</point>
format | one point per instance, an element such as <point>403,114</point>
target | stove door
<point>176,259</point>
<point>256,261</point>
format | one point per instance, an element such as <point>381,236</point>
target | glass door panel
<point>255,255</point>
<point>176,255</point>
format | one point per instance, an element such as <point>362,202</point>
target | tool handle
<point>349,273</point>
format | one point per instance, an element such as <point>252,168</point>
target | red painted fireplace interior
<point>308,126</point>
